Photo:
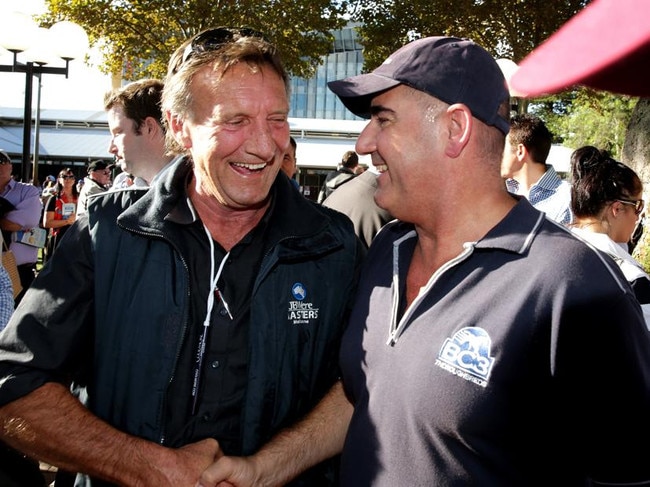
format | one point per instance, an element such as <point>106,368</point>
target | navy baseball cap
<point>451,69</point>
<point>4,157</point>
<point>98,165</point>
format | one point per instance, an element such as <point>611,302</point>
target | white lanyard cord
<point>206,324</point>
<point>214,280</point>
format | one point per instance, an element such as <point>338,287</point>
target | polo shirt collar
<point>516,231</point>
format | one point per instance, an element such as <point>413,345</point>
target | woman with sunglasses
<point>607,203</point>
<point>60,209</point>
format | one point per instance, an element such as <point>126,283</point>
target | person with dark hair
<point>97,181</point>
<point>60,209</point>
<point>203,314</point>
<point>344,173</point>
<point>487,345</point>
<point>607,202</point>
<point>524,166</point>
<point>135,120</point>
<point>289,166</point>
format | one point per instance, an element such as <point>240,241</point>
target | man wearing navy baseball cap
<point>470,353</point>
<point>486,345</point>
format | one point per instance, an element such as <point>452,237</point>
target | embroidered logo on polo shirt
<point>301,312</point>
<point>467,355</point>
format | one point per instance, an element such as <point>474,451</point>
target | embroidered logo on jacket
<point>301,312</point>
<point>467,355</point>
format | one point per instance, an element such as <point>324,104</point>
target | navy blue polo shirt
<point>523,361</point>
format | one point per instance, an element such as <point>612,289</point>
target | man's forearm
<point>50,424</point>
<point>316,438</point>
<point>319,436</point>
<point>9,226</point>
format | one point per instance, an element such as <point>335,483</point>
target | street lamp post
<point>19,34</point>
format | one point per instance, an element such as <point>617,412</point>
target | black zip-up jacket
<point>126,301</point>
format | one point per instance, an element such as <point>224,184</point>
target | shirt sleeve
<point>28,210</point>
<point>6,298</point>
<point>602,369</point>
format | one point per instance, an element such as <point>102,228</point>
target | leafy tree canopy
<point>586,117</point>
<point>137,37</point>
<point>506,29</point>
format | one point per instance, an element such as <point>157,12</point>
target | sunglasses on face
<point>213,39</point>
<point>67,176</point>
<point>638,205</point>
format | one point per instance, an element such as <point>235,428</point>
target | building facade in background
<point>310,98</point>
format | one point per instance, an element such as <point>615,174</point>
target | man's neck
<point>226,225</point>
<point>150,170</point>
<point>529,175</point>
<point>443,239</point>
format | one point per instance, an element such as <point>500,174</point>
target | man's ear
<point>150,126</point>
<point>460,124</point>
<point>521,152</point>
<point>179,130</point>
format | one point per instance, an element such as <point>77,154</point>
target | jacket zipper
<point>160,236</point>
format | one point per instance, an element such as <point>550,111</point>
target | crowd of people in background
<point>200,322</point>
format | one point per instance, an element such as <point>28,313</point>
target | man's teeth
<point>250,167</point>
<point>382,168</point>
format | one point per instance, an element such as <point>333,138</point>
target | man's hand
<point>71,437</point>
<point>183,466</point>
<point>231,472</point>
<point>320,435</point>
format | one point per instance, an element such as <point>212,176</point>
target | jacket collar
<point>167,202</point>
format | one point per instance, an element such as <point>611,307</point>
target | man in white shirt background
<point>524,166</point>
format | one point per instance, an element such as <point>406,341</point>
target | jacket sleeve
<point>49,337</point>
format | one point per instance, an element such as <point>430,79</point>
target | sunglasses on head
<point>213,39</point>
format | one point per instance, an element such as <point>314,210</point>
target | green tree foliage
<point>586,117</point>
<point>137,37</point>
<point>507,29</point>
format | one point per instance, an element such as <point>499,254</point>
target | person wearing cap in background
<point>48,186</point>
<point>486,344</point>
<point>97,181</point>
